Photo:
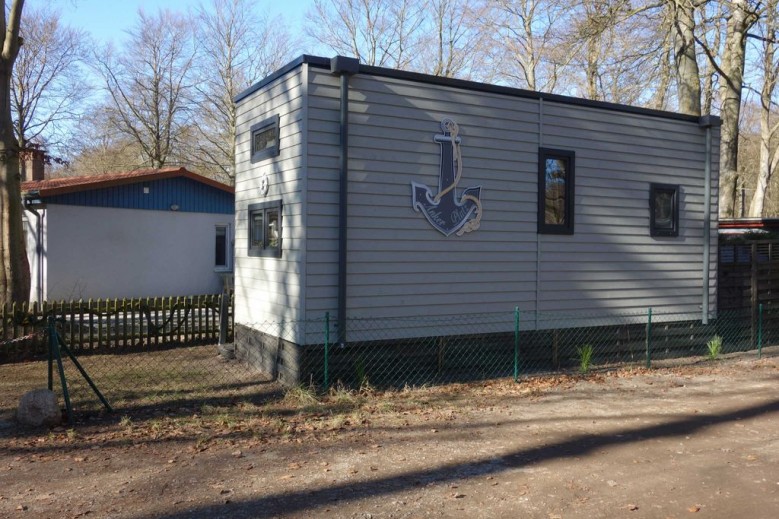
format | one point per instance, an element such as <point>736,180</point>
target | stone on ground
<point>39,407</point>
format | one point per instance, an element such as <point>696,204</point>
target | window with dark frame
<point>663,210</point>
<point>265,229</point>
<point>221,252</point>
<point>555,191</point>
<point>265,139</point>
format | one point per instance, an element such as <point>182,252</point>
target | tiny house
<point>366,192</point>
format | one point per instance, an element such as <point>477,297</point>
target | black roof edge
<point>325,63</point>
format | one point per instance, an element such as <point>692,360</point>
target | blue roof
<point>185,193</point>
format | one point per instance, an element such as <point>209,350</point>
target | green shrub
<point>585,357</point>
<point>715,347</point>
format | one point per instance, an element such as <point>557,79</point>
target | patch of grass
<point>360,371</point>
<point>585,357</point>
<point>344,398</point>
<point>126,422</point>
<point>386,406</point>
<point>155,426</point>
<point>714,347</point>
<point>301,397</point>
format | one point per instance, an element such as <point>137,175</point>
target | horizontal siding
<point>617,157</point>
<point>399,266</point>
<point>270,289</point>
<point>394,257</point>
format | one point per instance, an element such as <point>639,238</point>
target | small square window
<point>265,229</point>
<point>265,139</point>
<point>555,191</point>
<point>663,210</point>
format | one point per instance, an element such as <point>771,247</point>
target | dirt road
<point>702,440</point>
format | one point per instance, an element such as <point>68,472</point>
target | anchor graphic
<point>444,210</point>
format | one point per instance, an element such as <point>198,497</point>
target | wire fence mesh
<point>388,352</point>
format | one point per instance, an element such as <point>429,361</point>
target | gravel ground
<point>700,440</point>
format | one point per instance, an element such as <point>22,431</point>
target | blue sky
<point>107,19</point>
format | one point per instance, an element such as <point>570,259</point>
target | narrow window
<point>265,139</point>
<point>663,210</point>
<point>555,191</point>
<point>265,229</point>
<point>221,251</point>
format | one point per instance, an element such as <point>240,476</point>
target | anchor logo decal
<point>444,210</point>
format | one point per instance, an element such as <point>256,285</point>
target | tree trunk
<point>15,271</point>
<point>15,274</point>
<point>730,94</point>
<point>687,73</point>
<point>767,129</point>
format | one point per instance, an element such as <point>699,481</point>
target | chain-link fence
<point>388,352</point>
<point>395,352</point>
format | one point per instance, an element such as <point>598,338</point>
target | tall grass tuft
<point>585,357</point>
<point>715,347</point>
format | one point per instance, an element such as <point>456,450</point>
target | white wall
<point>268,290</point>
<point>95,252</point>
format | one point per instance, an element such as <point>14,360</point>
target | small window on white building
<point>265,229</point>
<point>663,210</point>
<point>222,247</point>
<point>265,139</point>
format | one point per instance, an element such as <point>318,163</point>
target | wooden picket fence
<point>112,326</point>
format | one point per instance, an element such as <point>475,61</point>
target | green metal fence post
<point>649,338</point>
<point>52,345</point>
<point>327,349</point>
<point>760,331</point>
<point>54,348</point>
<point>516,344</point>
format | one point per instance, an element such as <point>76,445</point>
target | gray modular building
<point>368,192</point>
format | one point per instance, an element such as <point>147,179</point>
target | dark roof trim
<point>325,63</point>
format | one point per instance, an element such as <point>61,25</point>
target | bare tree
<point>49,84</point>
<point>237,48</point>
<point>768,157</point>
<point>15,272</point>
<point>529,36</point>
<point>450,41</point>
<point>741,16</point>
<point>377,32</point>
<point>709,23</point>
<point>665,70</point>
<point>97,148</point>
<point>150,84</point>
<point>688,78</point>
<point>617,47</point>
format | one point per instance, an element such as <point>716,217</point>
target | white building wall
<point>95,252</point>
<point>268,290</point>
